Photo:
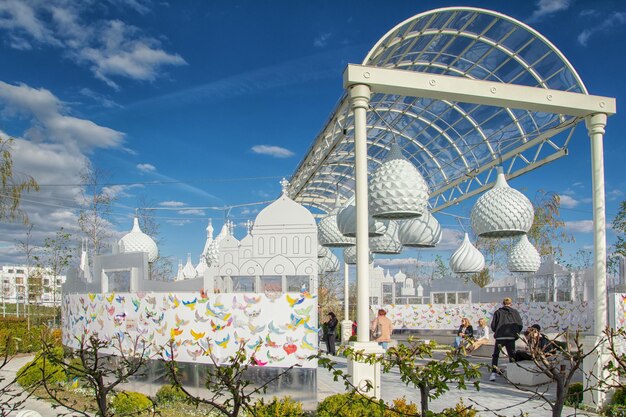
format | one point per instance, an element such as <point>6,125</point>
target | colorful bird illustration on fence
<point>304,311</point>
<point>120,299</point>
<point>200,318</point>
<point>294,301</point>
<point>110,298</point>
<point>270,343</point>
<point>174,301</point>
<point>190,304</point>
<point>254,345</point>
<point>274,357</point>
<point>180,322</point>
<point>224,342</point>
<point>92,296</point>
<point>151,300</point>
<point>306,344</point>
<point>175,331</point>
<point>256,329</point>
<point>218,327</point>
<point>273,329</point>
<point>195,354</point>
<point>136,303</point>
<point>251,300</point>
<point>258,362</point>
<point>196,335</point>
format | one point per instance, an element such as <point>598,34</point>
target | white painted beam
<point>490,93</point>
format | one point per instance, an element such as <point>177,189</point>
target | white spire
<point>179,274</point>
<point>85,272</point>
<point>284,185</point>
<point>188,270</point>
<point>209,230</point>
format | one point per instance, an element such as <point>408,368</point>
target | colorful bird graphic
<point>196,335</point>
<point>306,344</point>
<point>92,296</point>
<point>258,362</point>
<point>158,320</point>
<point>151,300</point>
<point>175,331</point>
<point>294,301</point>
<point>273,295</point>
<point>273,329</point>
<point>195,354</point>
<point>274,358</point>
<point>174,301</point>
<point>200,318</point>
<point>239,340</point>
<point>310,329</point>
<point>224,342</point>
<point>120,299</point>
<point>270,343</point>
<point>180,322</point>
<point>254,345</point>
<point>251,300</point>
<point>191,304</point>
<point>252,313</point>
<point>203,295</point>
<point>304,311</point>
<point>256,329</point>
<point>136,303</point>
<point>218,327</point>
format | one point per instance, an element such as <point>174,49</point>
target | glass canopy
<point>456,146</point>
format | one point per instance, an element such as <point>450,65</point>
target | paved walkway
<point>494,398</point>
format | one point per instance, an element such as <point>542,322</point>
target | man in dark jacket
<point>506,324</point>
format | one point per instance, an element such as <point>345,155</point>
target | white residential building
<point>15,285</point>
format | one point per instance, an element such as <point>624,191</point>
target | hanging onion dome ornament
<point>322,251</point>
<point>524,257</point>
<point>329,234</point>
<point>467,259</point>
<point>349,256</point>
<point>502,211</point>
<point>328,263</point>
<point>423,232</point>
<point>346,222</point>
<point>396,189</point>
<point>387,243</point>
<point>138,241</point>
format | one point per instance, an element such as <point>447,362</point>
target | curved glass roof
<point>455,145</point>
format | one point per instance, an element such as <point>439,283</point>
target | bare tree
<point>94,216</point>
<point>161,268</point>
<point>32,284</point>
<point>11,187</point>
<point>94,366</point>
<point>548,233</point>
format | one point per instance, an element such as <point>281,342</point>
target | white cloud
<point>606,25</point>
<point>614,194</point>
<point>547,7</point>
<point>395,262</point>
<point>567,201</point>
<point>450,240</point>
<point>275,151</point>
<point>99,99</point>
<point>580,226</point>
<point>117,191</point>
<point>110,48</point>
<point>50,121</point>
<point>178,222</point>
<point>322,40</point>
<point>172,204</point>
<point>194,212</point>
<point>146,167</point>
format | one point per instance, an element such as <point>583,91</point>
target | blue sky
<point>219,100</point>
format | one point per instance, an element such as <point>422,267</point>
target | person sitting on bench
<point>536,344</point>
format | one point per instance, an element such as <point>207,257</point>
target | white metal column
<point>360,98</point>
<point>346,324</point>
<point>595,125</point>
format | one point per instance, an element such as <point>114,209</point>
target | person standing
<point>331,333</point>
<point>506,325</point>
<point>381,329</point>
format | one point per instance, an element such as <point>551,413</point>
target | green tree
<point>619,227</point>
<point>548,233</point>
<point>12,187</point>
<point>95,213</point>
<point>440,268</point>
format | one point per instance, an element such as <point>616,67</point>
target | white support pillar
<point>593,366</point>
<point>346,324</point>
<point>362,373</point>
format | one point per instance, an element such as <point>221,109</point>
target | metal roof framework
<point>455,134</point>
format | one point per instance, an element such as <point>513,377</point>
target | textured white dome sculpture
<point>346,221</point>
<point>396,189</point>
<point>188,270</point>
<point>328,263</point>
<point>329,234</point>
<point>349,256</point>
<point>322,251</point>
<point>467,259</point>
<point>524,257</point>
<point>138,241</point>
<point>423,232</point>
<point>387,243</point>
<point>502,211</point>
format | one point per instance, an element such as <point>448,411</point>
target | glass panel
<point>463,297</point>
<point>439,298</point>
<point>243,284</point>
<point>297,283</point>
<point>387,299</point>
<point>271,283</point>
<point>451,297</point>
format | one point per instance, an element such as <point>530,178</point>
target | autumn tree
<point>12,185</point>
<point>619,227</point>
<point>95,212</point>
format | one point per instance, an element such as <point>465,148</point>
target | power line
<point>166,182</point>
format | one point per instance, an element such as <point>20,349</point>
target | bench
<point>525,373</point>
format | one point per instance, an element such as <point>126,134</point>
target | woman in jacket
<point>466,332</point>
<point>331,331</point>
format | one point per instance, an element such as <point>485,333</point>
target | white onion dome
<point>397,190</point>
<point>201,267</point>
<point>212,255</point>
<point>387,243</point>
<point>322,251</point>
<point>328,263</point>
<point>138,241</point>
<point>346,222</point>
<point>467,259</point>
<point>349,256</point>
<point>188,270</point>
<point>524,257</point>
<point>502,211</point>
<point>329,234</point>
<point>423,232</point>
